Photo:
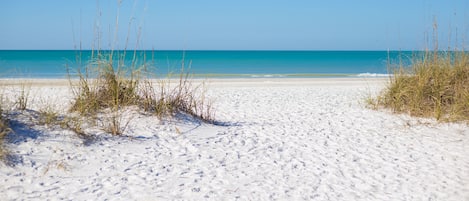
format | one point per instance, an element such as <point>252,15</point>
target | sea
<point>204,64</point>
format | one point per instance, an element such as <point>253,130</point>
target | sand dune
<point>275,139</point>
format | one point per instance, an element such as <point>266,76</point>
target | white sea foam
<point>373,75</point>
<point>267,75</point>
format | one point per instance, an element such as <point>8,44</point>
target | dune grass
<point>48,116</point>
<point>183,96</point>
<point>435,85</point>
<point>103,87</point>
<point>4,130</point>
<point>23,98</point>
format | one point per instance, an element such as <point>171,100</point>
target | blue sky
<point>232,25</point>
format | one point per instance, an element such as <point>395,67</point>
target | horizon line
<point>245,50</point>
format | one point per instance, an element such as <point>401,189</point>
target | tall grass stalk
<point>115,125</point>
<point>23,98</point>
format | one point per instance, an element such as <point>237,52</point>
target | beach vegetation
<point>435,85</point>
<point>114,124</point>
<point>75,124</point>
<point>23,98</point>
<point>174,96</point>
<point>4,130</point>
<point>107,88</point>
<point>112,90</point>
<point>47,116</point>
<point>107,84</point>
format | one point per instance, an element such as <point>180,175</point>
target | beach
<point>274,139</point>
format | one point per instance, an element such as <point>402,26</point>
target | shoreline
<point>222,81</point>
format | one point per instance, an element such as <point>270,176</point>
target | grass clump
<point>436,85</point>
<point>4,130</point>
<point>23,99</point>
<point>115,125</point>
<point>47,116</point>
<point>102,89</point>
<point>112,79</point>
<point>179,97</point>
<point>110,88</point>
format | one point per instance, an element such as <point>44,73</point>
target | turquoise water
<point>54,63</point>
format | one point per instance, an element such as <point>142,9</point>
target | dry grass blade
<point>114,124</point>
<point>23,99</point>
<point>47,116</point>
<point>4,130</point>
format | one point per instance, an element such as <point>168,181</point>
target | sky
<point>233,25</point>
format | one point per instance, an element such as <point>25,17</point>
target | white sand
<point>281,139</point>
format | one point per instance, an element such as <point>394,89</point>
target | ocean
<point>219,64</point>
